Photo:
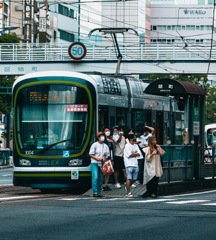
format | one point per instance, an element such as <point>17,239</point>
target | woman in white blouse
<point>152,167</point>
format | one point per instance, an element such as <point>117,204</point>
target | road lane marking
<point>190,194</point>
<point>152,200</point>
<point>188,201</point>
<point>109,199</point>
<point>209,204</point>
<point>14,198</point>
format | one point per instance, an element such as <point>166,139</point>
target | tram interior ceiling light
<point>75,162</point>
<point>24,162</point>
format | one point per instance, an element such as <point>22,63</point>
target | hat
<point>98,134</point>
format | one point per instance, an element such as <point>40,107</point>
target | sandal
<point>97,195</point>
<point>153,195</point>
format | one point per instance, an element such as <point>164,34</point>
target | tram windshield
<point>49,114</point>
<point>211,136</point>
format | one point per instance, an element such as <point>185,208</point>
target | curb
<point>6,167</point>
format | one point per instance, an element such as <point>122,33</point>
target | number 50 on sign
<point>77,51</point>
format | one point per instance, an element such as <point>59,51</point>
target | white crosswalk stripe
<point>188,201</point>
<point>16,198</point>
<point>152,200</point>
<point>209,204</point>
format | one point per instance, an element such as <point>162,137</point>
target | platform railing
<point>207,162</point>
<point>178,164</point>
<point>53,52</point>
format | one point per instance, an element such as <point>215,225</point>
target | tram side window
<point>179,128</point>
<point>121,117</point>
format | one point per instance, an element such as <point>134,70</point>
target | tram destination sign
<point>77,51</point>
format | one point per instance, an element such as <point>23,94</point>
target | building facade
<point>181,24</point>
<point>128,14</point>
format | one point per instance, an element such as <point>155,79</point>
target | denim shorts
<point>132,172</point>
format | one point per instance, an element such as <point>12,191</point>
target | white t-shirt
<point>130,161</point>
<point>146,138</point>
<point>99,150</point>
<point>119,146</point>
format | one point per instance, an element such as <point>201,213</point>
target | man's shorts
<point>118,163</point>
<point>132,172</point>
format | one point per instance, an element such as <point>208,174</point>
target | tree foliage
<point>9,38</point>
<point>6,99</point>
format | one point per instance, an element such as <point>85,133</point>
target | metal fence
<point>178,164</point>
<point>134,51</point>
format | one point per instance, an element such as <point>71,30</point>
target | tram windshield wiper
<point>53,144</point>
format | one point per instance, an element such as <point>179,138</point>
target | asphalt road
<point>6,177</point>
<point>36,216</point>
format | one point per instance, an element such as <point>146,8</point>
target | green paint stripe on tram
<point>49,174</point>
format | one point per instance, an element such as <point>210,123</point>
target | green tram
<point>56,117</point>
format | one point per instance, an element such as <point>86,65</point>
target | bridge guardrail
<point>51,52</point>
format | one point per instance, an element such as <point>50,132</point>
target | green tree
<point>9,38</point>
<point>210,106</point>
<point>6,99</point>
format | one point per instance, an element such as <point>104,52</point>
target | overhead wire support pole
<point>113,32</point>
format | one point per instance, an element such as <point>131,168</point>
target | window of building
<point>188,28</point>
<point>192,27</point>
<point>162,27</point>
<point>183,28</point>
<point>202,27</point>
<point>66,36</point>
<point>66,11</point>
<point>173,27</point>
<point>154,28</point>
<point>197,27</point>
<point>209,27</point>
<point>169,28</point>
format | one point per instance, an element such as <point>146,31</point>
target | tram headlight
<point>24,162</point>
<point>75,162</point>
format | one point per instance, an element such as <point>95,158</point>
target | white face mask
<point>107,134</point>
<point>121,133</point>
<point>102,138</point>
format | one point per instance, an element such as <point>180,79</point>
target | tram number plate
<point>75,175</point>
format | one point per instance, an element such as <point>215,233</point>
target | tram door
<point>112,117</point>
<point>159,127</point>
<point>103,117</point>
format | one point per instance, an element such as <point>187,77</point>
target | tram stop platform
<point>163,188</point>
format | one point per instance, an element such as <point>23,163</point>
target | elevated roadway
<point>19,59</point>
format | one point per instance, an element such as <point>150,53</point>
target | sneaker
<point>118,185</point>
<point>133,185</point>
<point>129,195</point>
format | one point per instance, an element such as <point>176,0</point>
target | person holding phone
<point>152,167</point>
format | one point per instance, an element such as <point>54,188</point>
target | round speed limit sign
<point>77,51</point>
